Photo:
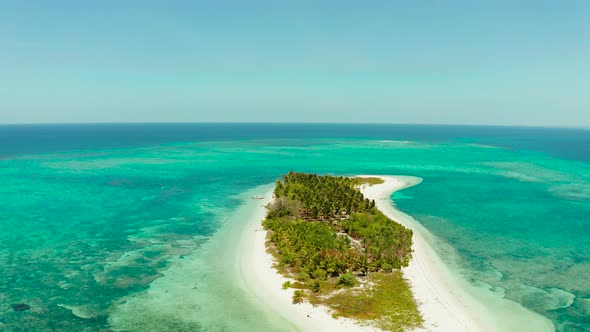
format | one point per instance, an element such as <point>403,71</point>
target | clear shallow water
<point>91,217</point>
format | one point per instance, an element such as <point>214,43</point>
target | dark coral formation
<point>20,307</point>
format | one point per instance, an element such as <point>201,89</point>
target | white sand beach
<point>446,302</point>
<point>445,299</point>
<point>440,306</point>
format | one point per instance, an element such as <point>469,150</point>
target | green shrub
<point>315,286</point>
<point>386,267</point>
<point>298,296</point>
<point>302,276</point>
<point>283,207</point>
<point>320,274</point>
<point>347,280</point>
<point>298,285</point>
<point>286,285</point>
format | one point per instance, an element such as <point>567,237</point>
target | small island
<point>340,251</point>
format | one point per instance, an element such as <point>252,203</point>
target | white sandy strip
<point>444,299</point>
<point>440,308</point>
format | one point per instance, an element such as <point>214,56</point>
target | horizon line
<point>295,123</point>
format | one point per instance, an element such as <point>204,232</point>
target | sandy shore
<point>443,300</point>
<point>441,309</point>
<point>447,301</point>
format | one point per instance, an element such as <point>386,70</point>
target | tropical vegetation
<point>326,235</point>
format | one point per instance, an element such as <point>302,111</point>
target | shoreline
<point>446,302</point>
<point>445,299</point>
<point>439,305</point>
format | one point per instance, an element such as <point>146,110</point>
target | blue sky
<point>466,62</point>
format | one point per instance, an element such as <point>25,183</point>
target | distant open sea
<point>92,215</point>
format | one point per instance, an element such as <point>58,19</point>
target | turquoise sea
<point>91,216</point>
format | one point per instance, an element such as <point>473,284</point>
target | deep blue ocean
<point>92,215</point>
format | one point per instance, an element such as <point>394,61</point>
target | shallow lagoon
<point>85,230</point>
